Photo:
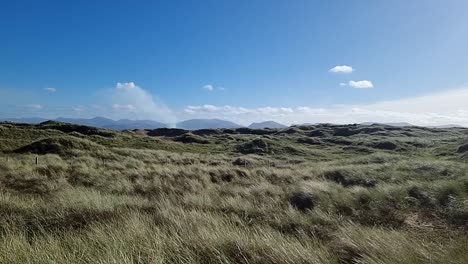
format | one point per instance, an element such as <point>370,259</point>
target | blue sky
<point>238,60</point>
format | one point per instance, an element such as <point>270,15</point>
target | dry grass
<point>119,204</point>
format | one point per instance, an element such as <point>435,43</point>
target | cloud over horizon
<point>128,100</point>
<point>447,107</point>
<point>132,101</point>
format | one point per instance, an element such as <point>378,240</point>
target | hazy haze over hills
<point>191,124</point>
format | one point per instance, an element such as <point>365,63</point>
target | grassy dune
<point>315,194</point>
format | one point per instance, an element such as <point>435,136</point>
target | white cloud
<point>447,107</point>
<point>123,86</point>
<point>343,84</point>
<point>129,107</point>
<point>203,108</point>
<point>341,69</point>
<point>78,108</point>
<point>361,84</point>
<point>208,87</point>
<point>132,101</point>
<point>34,106</point>
<point>50,90</point>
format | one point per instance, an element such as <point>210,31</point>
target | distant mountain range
<point>100,122</point>
<point>404,124</point>
<point>192,124</point>
<point>121,124</point>
<point>448,126</point>
<point>28,120</point>
<point>399,124</point>
<point>267,124</point>
<point>124,124</point>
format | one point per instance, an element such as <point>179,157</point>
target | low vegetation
<point>306,194</point>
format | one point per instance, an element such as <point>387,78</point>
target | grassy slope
<point>300,196</point>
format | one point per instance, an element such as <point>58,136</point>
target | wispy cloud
<point>208,87</point>
<point>50,90</point>
<point>79,108</point>
<point>129,107</point>
<point>448,107</point>
<point>341,69</point>
<point>34,106</point>
<point>361,84</point>
<point>125,86</point>
<point>211,88</point>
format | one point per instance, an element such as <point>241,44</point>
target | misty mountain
<point>447,126</point>
<point>95,122</point>
<point>194,124</point>
<point>124,124</point>
<point>100,122</point>
<point>28,120</point>
<point>396,124</point>
<point>137,124</point>
<point>121,124</point>
<point>267,124</point>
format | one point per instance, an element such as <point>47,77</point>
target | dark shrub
<point>242,162</point>
<point>302,201</point>
<point>370,130</point>
<point>339,141</point>
<point>463,149</point>
<point>191,138</point>
<point>68,128</point>
<point>258,146</point>
<point>310,141</point>
<point>316,133</point>
<point>291,130</point>
<point>167,132</point>
<point>58,145</point>
<point>459,218</point>
<point>344,210</point>
<point>344,132</point>
<point>241,173</point>
<point>447,195</point>
<point>386,145</point>
<point>358,149</point>
<point>364,200</point>
<point>217,177</point>
<point>305,127</point>
<point>206,132</point>
<point>346,180</point>
<point>249,131</point>
<point>422,196</point>
<point>229,131</point>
